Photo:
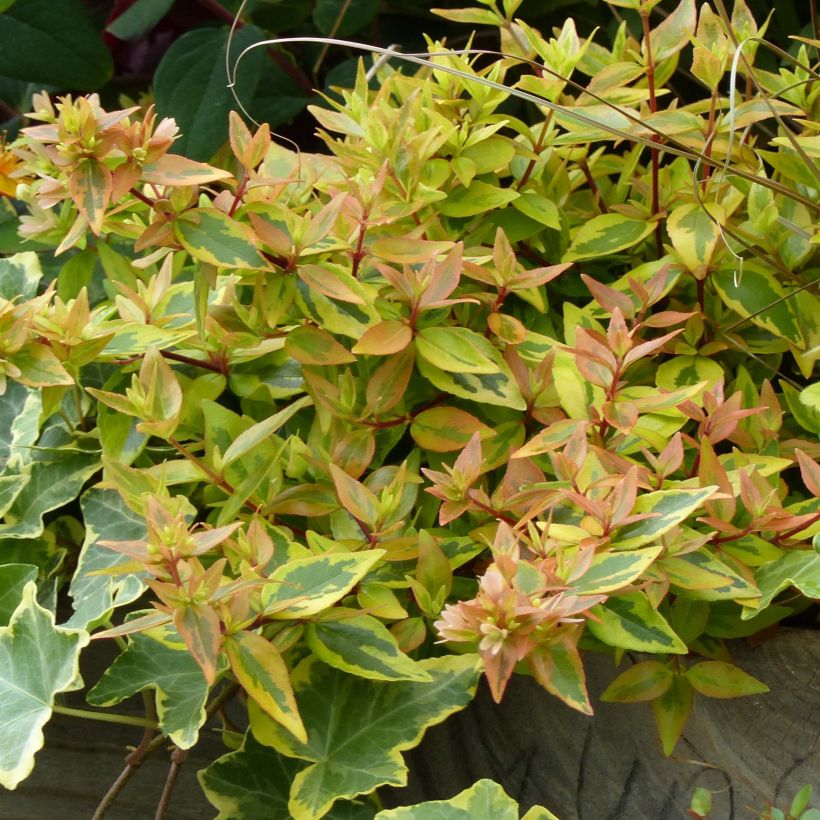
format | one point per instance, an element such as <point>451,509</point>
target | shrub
<point>483,388</point>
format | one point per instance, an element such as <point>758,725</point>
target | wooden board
<point>608,767</point>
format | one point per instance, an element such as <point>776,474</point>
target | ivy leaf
<point>315,583</point>
<point>13,578</point>
<point>357,728</point>
<point>340,18</point>
<point>94,591</point>
<point>37,660</point>
<point>630,622</point>
<point>362,646</point>
<point>37,49</point>
<point>607,234</point>
<point>167,667</point>
<point>254,781</point>
<point>21,273</point>
<point>485,800</point>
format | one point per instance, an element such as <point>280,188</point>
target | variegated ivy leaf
<point>315,583</point>
<point>668,508</point>
<point>95,592</point>
<point>362,646</point>
<point>19,275</point>
<point>37,660</point>
<point>254,782</point>
<point>13,579</point>
<point>630,622</point>
<point>358,728</point>
<point>486,800</point>
<point>168,667</point>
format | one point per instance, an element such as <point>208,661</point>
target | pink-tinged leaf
<point>445,429</point>
<point>389,381</point>
<point>810,472</point>
<point>357,499</point>
<point>643,681</point>
<point>550,439</point>
<point>259,667</point>
<point>90,188</point>
<point>622,415</point>
<point>672,710</point>
<point>558,668</point>
<point>716,679</point>
<point>469,462</point>
<point>172,169</point>
<point>199,627</point>
<point>384,339</point>
<point>271,235</point>
<point>444,278</point>
<point>647,348</point>
<point>408,251</point>
<point>623,498</point>
<point>608,298</point>
<point>536,277</point>
<point>322,223</point>
<point>331,282</point>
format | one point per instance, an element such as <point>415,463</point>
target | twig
<point>177,759</point>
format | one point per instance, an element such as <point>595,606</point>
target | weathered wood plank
<point>609,767</point>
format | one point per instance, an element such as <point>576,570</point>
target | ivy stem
<point>177,759</point>
<point>105,717</point>
<point>653,107</point>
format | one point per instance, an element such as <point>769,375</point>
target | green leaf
<point>168,667</point>
<point>485,800</point>
<point>259,667</point>
<point>671,712</point>
<point>13,578</point>
<point>539,208</point>
<point>668,507</point>
<point>800,568</point>
<point>37,660</point>
<point>139,18</point>
<point>213,237</point>
<point>106,518</point>
<point>612,570</point>
<point>456,350</point>
<point>630,622</point>
<point>254,782</point>
<point>66,51</point>
<point>756,289</point>
<point>646,680</point>
<point>479,198</point>
<point>362,646</point>
<point>499,388</point>
<point>687,370</point>
<point>716,679</point>
<point>358,728</point>
<point>21,273</point>
<point>190,85</point>
<point>319,580</point>
<point>606,234</point>
<point>52,484</point>
<point>341,18</point>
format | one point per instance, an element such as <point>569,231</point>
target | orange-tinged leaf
<point>360,502</point>
<point>384,338</point>
<point>389,382</point>
<point>259,667</point>
<point>199,627</point>
<point>507,328</point>
<point>90,188</point>
<point>444,429</point>
<point>558,668</point>
<point>333,283</point>
<point>312,345</point>
<point>405,250</point>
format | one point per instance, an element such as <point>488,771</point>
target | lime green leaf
<point>181,688</point>
<point>612,570</point>
<point>13,578</point>
<point>751,296</point>
<point>630,622</point>
<point>213,237</point>
<point>687,370</point>
<point>259,667</point>
<point>800,568</point>
<point>52,484</point>
<point>607,234</point>
<point>106,518</point>
<point>646,680</point>
<point>694,235</point>
<point>39,367</point>
<point>672,710</point>
<point>312,345</point>
<point>479,198</point>
<point>705,577</point>
<point>539,208</point>
<point>499,388</point>
<point>347,761</point>
<point>456,350</point>
<point>716,679</point>
<point>362,646</point>
<point>668,507</point>
<point>69,55</point>
<point>320,580</point>
<point>485,800</point>
<point>479,17</point>
<point>37,660</point>
<point>673,33</point>
<point>254,782</point>
<point>19,275</point>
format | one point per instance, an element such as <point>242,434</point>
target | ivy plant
<point>519,368</point>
